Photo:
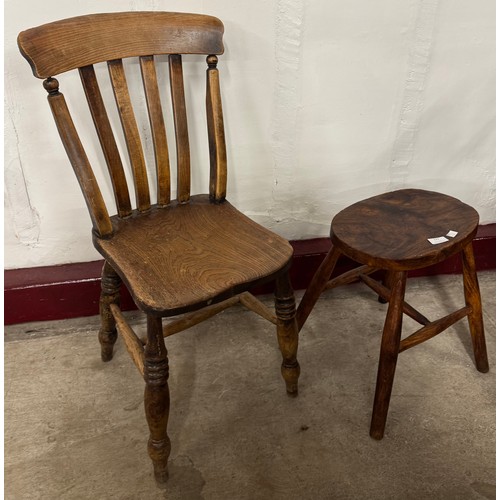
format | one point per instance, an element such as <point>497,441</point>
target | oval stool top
<point>391,230</point>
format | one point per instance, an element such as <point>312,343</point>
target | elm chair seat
<point>398,232</point>
<point>200,252</point>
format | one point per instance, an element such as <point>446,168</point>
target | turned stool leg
<point>389,351</point>
<point>110,294</point>
<point>288,337</point>
<point>157,398</point>
<point>473,300</point>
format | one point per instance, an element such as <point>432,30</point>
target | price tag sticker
<point>437,241</point>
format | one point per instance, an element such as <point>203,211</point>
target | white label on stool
<point>452,234</point>
<point>437,241</point>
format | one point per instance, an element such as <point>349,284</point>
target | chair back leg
<point>287,331</point>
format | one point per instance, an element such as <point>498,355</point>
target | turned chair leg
<point>110,294</point>
<point>157,398</point>
<point>473,300</point>
<point>288,337</point>
<point>389,351</point>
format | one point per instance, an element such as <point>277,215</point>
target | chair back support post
<point>79,161</point>
<point>216,136</point>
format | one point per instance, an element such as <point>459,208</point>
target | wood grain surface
<point>107,140</point>
<point>78,158</point>
<point>391,230</point>
<point>131,132</point>
<point>158,132</point>
<point>216,136</point>
<point>185,256</point>
<point>181,127</point>
<point>56,47</point>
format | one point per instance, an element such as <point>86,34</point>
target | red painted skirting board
<point>72,290</point>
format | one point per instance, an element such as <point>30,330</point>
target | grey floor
<point>75,429</point>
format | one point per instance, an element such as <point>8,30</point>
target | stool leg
<point>316,286</point>
<point>386,281</point>
<point>389,351</point>
<point>473,300</point>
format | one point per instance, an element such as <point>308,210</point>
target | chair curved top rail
<point>56,47</point>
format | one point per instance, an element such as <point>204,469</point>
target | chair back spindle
<point>107,140</point>
<point>181,128</point>
<point>131,132</point>
<point>158,131</point>
<point>216,136</point>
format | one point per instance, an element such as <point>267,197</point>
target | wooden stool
<point>398,232</point>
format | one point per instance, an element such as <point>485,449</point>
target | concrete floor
<point>75,428</point>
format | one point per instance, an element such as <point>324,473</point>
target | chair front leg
<point>389,351</point>
<point>110,294</point>
<point>157,398</point>
<point>288,337</point>
<point>475,317</point>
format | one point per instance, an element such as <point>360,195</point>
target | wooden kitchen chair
<point>194,255</point>
<point>391,232</point>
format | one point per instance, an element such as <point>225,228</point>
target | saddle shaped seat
<point>200,252</point>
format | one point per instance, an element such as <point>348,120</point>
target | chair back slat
<point>131,132</point>
<point>181,128</point>
<point>158,132</point>
<point>68,44</point>
<point>79,161</point>
<point>107,140</point>
<point>216,137</point>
